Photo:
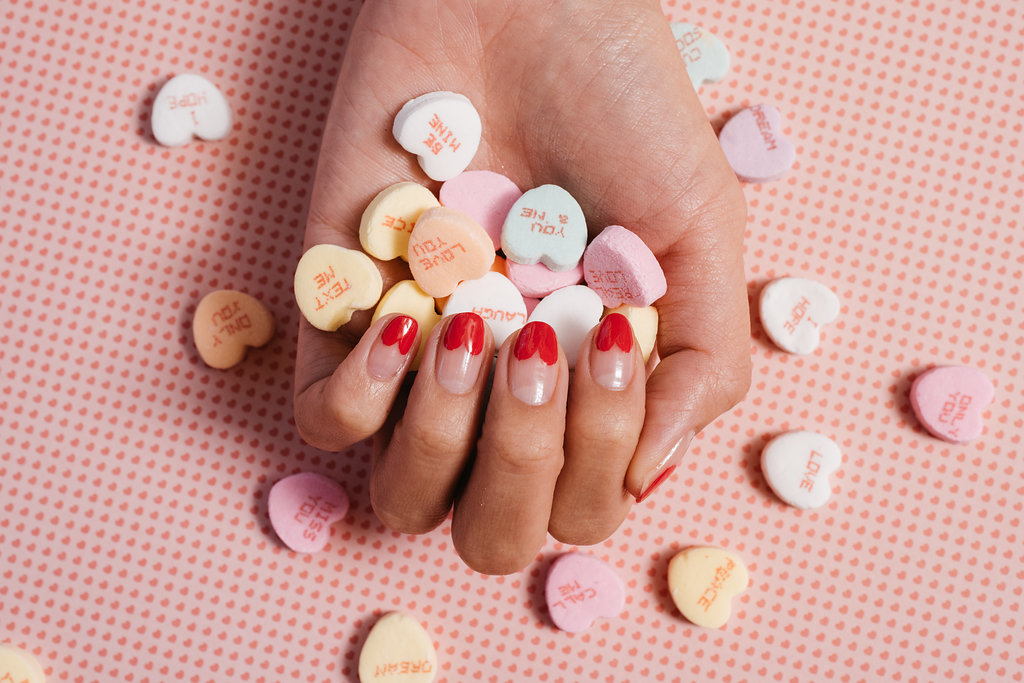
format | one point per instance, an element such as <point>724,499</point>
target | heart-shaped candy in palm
<point>754,145</point>
<point>546,225</point>
<point>332,282</point>
<point>579,589</point>
<point>442,129</point>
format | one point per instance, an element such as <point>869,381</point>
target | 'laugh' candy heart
<point>704,581</point>
<point>302,508</point>
<point>949,401</point>
<point>579,589</point>
<point>705,56</point>
<point>754,145</point>
<point>226,323</point>
<point>332,282</point>
<point>442,129</point>
<point>189,106</point>
<point>494,299</point>
<point>793,311</point>
<point>797,465</point>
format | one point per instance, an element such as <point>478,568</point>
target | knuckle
<point>531,454</point>
<point>496,556</point>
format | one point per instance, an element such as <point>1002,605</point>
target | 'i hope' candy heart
<point>189,106</point>
<point>579,589</point>
<point>793,311</point>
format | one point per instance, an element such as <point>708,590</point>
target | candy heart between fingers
<point>189,106</point>
<point>622,269</point>
<point>537,280</point>
<point>793,311</point>
<point>442,129</point>
<point>389,219</point>
<point>495,299</point>
<point>19,666</point>
<point>797,465</point>
<point>572,312</point>
<point>546,225</point>
<point>754,145</point>
<point>407,298</point>
<point>398,649</point>
<point>447,247</point>
<point>704,581</point>
<point>302,508</point>
<point>705,56</point>
<point>332,282</point>
<point>579,589</point>
<point>484,196</point>
<point>226,323</point>
<point>949,401</point>
<point>644,322</point>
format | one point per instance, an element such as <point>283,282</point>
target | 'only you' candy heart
<point>754,145</point>
<point>949,401</point>
<point>226,323</point>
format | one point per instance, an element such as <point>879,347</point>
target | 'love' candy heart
<point>579,589</point>
<point>398,648</point>
<point>797,465</point>
<point>302,508</point>
<point>704,581</point>
<point>189,106</point>
<point>332,282</point>
<point>949,401</point>
<point>705,56</point>
<point>546,225</point>
<point>226,323</point>
<point>442,129</point>
<point>793,311</point>
<point>754,145</point>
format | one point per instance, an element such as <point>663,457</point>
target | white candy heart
<point>797,465</point>
<point>706,57</point>
<point>495,299</point>
<point>442,129</point>
<point>189,106</point>
<point>572,312</point>
<point>793,310</point>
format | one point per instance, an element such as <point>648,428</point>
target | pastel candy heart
<point>546,225</point>
<point>226,323</point>
<point>644,322</point>
<point>704,581</point>
<point>19,666</point>
<point>581,588</point>
<point>332,282</point>
<point>447,247</point>
<point>949,401</point>
<point>484,196</point>
<point>494,299</point>
<point>622,270</point>
<point>389,219</point>
<point>797,465</point>
<point>705,56</point>
<point>572,312</point>
<point>189,106</point>
<point>442,129</point>
<point>397,649</point>
<point>537,280</point>
<point>302,508</point>
<point>793,311</point>
<point>407,298</point>
<point>754,145</point>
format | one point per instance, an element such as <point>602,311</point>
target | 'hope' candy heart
<point>703,582</point>
<point>622,270</point>
<point>189,105</point>
<point>226,323</point>
<point>397,648</point>
<point>389,219</point>
<point>484,196</point>
<point>302,508</point>
<point>545,225</point>
<point>572,312</point>
<point>407,298</point>
<point>796,466</point>
<point>949,400</point>
<point>793,310</point>
<point>447,247</point>
<point>495,299</point>
<point>18,666</point>
<point>331,282</point>
<point>705,56</point>
<point>442,129</point>
<point>754,146</point>
<point>579,589</point>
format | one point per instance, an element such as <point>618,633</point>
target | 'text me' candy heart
<point>754,145</point>
<point>226,323</point>
<point>332,282</point>
<point>622,269</point>
<point>949,401</point>
<point>397,648</point>
<point>189,106</point>
<point>447,247</point>
<point>389,219</point>
<point>442,129</point>
<point>797,465</point>
<point>705,56</point>
<point>704,581</point>
<point>302,508</point>
<point>579,589</point>
<point>495,299</point>
<point>793,311</point>
<point>545,225</point>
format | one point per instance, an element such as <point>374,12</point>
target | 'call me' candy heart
<point>389,219</point>
<point>397,648</point>
<point>622,270</point>
<point>545,225</point>
<point>579,589</point>
<point>949,401</point>
<point>704,581</point>
<point>793,311</point>
<point>442,129</point>
<point>226,323</point>
<point>797,465</point>
<point>189,106</point>
<point>705,56</point>
<point>302,508</point>
<point>18,666</point>
<point>332,282</point>
<point>754,145</point>
<point>447,247</point>
<point>484,196</point>
<point>494,299</point>
<point>572,312</point>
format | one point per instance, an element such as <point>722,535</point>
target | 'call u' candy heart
<point>949,401</point>
<point>793,311</point>
<point>705,56</point>
<point>581,588</point>
<point>755,146</point>
<point>302,508</point>
<point>189,106</point>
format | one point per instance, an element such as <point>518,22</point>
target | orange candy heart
<point>227,322</point>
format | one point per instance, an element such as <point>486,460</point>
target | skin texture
<point>589,95</point>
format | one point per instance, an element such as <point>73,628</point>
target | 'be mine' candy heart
<point>397,648</point>
<point>545,225</point>
<point>484,196</point>
<point>494,299</point>
<point>579,589</point>
<point>447,247</point>
<point>796,466</point>
<point>189,106</point>
<point>537,280</point>
<point>302,508</point>
<point>949,401</point>
<point>793,310</point>
<point>389,219</point>
<point>226,323</point>
<point>705,56</point>
<point>332,282</point>
<point>703,582</point>
<point>18,666</point>
<point>622,270</point>
<point>572,312</point>
<point>442,129</point>
<point>754,146</point>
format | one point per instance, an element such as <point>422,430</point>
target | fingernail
<point>390,352</point>
<point>460,353</point>
<point>664,468</point>
<point>533,367</point>
<point>611,363</point>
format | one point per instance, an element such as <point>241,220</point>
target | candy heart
<point>793,310</point>
<point>949,401</point>
<point>545,225</point>
<point>754,146</point>
<point>537,280</point>
<point>442,129</point>
<point>484,196</point>
<point>389,219</point>
<point>572,312</point>
<point>189,106</point>
<point>705,56</point>
<point>495,299</point>
<point>644,322</point>
<point>704,581</point>
<point>406,297</point>
<point>579,589</point>
<point>302,508</point>
<point>19,666</point>
<point>622,270</point>
<point>226,322</point>
<point>796,466</point>
<point>397,648</point>
<point>447,247</point>
<point>331,282</point>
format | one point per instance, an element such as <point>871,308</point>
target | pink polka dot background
<point>134,540</point>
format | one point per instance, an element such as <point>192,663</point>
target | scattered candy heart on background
<point>797,465</point>
<point>332,282</point>
<point>755,146</point>
<point>189,106</point>
<point>442,129</point>
<point>949,401</point>
<point>19,666</point>
<point>704,581</point>
<point>398,648</point>
<point>226,323</point>
<point>705,56</point>
<point>793,311</point>
<point>302,508</point>
<point>579,589</point>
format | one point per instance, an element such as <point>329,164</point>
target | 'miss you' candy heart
<point>332,282</point>
<point>705,56</point>
<point>546,225</point>
<point>442,129</point>
<point>447,247</point>
<point>189,106</point>
<point>302,508</point>
<point>622,270</point>
<point>949,401</point>
<point>484,196</point>
<point>226,323</point>
<point>579,589</point>
<point>398,648</point>
<point>797,465</point>
<point>572,312</point>
<point>793,311</point>
<point>704,581</point>
<point>754,145</point>
<point>494,299</point>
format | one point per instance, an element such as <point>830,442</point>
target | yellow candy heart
<point>332,282</point>
<point>704,581</point>
<point>389,219</point>
<point>644,322</point>
<point>407,297</point>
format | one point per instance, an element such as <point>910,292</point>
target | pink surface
<point>134,540</point>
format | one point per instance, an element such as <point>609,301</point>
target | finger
<point>413,479</point>
<point>501,518</point>
<point>603,420</point>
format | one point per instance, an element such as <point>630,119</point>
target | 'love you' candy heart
<point>484,196</point>
<point>546,225</point>
<point>442,129</point>
<point>949,401</point>
<point>793,311</point>
<point>447,247</point>
<point>399,649</point>
<point>389,219</point>
<point>302,508</point>
<point>332,282</point>
<point>754,145</point>
<point>189,106</point>
<point>18,666</point>
<point>705,56</point>
<point>704,581</point>
<point>579,589</point>
<point>572,312</point>
<point>494,299</point>
<point>226,323</point>
<point>797,465</point>
<point>622,269</point>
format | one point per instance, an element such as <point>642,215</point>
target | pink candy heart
<point>753,143</point>
<point>579,589</point>
<point>302,508</point>
<point>622,269</point>
<point>949,400</point>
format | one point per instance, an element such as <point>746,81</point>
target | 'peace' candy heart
<point>494,299</point>
<point>302,508</point>
<point>705,56</point>
<point>18,666</point>
<point>332,282</point>
<point>389,219</point>
<point>484,196</point>
<point>189,106</point>
<point>447,247</point>
<point>796,466</point>
<point>949,401</point>
<point>545,225</point>
<point>399,649</point>
<point>754,146</point>
<point>226,323</point>
<point>793,310</point>
<point>442,129</point>
<point>579,589</point>
<point>572,312</point>
<point>622,269</point>
<point>704,581</point>
<point>407,298</point>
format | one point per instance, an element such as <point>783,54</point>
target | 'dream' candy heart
<point>442,129</point>
<point>793,311</point>
<point>447,247</point>
<point>949,401</point>
<point>705,56</point>
<point>797,465</point>
<point>18,666</point>
<point>572,312</point>
<point>226,323</point>
<point>754,145</point>
<point>389,219</point>
<point>302,508</point>
<point>495,299</point>
<point>399,649</point>
<point>332,282</point>
<point>622,269</point>
<point>546,225</point>
<point>579,589</point>
<point>704,581</point>
<point>189,106</point>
